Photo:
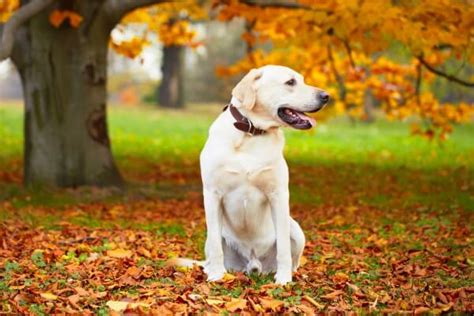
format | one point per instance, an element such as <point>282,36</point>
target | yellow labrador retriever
<point>245,176</point>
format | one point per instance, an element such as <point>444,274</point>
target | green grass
<point>155,135</point>
<point>169,135</point>
<point>176,135</point>
<point>339,161</point>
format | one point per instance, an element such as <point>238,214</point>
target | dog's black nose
<point>323,97</point>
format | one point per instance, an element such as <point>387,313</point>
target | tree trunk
<point>369,106</point>
<point>63,72</point>
<point>170,93</point>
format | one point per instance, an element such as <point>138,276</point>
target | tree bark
<point>171,90</point>
<point>63,71</point>
<point>369,106</point>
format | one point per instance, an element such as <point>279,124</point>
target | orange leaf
<point>236,304</point>
<point>273,305</point>
<point>119,253</point>
<point>333,295</point>
<point>74,19</point>
<point>81,292</point>
<point>49,296</point>
<point>57,18</point>
<point>421,310</point>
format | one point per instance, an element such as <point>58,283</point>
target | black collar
<point>242,123</point>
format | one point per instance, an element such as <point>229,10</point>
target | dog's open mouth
<point>296,119</point>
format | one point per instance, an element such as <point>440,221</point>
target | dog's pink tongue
<point>302,116</point>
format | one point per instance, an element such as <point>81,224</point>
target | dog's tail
<point>184,262</point>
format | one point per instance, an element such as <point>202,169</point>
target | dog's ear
<point>245,91</point>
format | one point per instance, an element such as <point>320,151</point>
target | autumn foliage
<point>169,21</point>
<point>7,7</point>
<point>341,46</point>
<point>111,257</point>
<point>386,232</point>
<point>58,17</point>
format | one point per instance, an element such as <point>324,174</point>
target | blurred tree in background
<point>222,45</point>
<point>171,22</point>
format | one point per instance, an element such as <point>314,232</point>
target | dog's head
<point>277,96</point>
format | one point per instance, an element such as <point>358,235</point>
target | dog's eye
<point>291,82</point>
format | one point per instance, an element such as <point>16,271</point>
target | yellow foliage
<point>177,33</point>
<point>332,43</point>
<point>7,7</point>
<point>170,21</point>
<point>131,48</point>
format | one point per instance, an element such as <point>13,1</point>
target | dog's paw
<point>214,273</point>
<point>283,278</point>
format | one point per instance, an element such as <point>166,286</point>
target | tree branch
<point>116,9</point>
<point>443,74</point>
<point>284,5</point>
<point>339,79</point>
<point>418,82</point>
<point>349,53</point>
<point>22,15</point>
<point>276,4</point>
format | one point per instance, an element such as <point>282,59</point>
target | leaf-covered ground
<point>388,227</point>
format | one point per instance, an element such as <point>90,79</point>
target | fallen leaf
<point>236,304</point>
<point>134,271</point>
<point>117,306</point>
<point>119,253</point>
<point>446,307</point>
<point>214,302</point>
<point>333,295</point>
<point>163,293</point>
<point>138,304</point>
<point>228,278</point>
<point>74,299</point>
<point>49,296</point>
<point>421,310</point>
<point>313,302</point>
<point>303,261</point>
<point>182,268</point>
<point>144,252</point>
<point>442,297</point>
<point>81,292</point>
<point>340,277</point>
<point>256,307</point>
<point>120,306</point>
<point>271,304</point>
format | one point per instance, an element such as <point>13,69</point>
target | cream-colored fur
<point>245,180</point>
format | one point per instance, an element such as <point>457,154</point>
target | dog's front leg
<point>214,265</point>
<point>279,201</point>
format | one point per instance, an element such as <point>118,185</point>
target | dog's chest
<point>244,169</point>
<point>228,164</point>
<point>262,179</point>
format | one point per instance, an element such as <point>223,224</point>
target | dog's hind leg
<point>297,243</point>
<point>269,262</point>
<point>233,260</point>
